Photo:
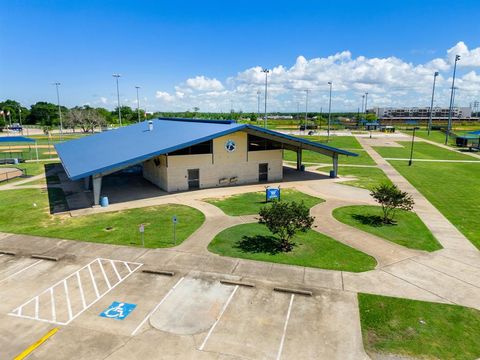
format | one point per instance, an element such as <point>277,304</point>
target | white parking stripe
<point>116,271</point>
<point>156,307</point>
<point>104,273</point>
<point>128,267</point>
<point>93,280</point>
<point>69,305</point>
<point>219,317</point>
<point>68,297</point>
<point>20,271</point>
<point>279,354</point>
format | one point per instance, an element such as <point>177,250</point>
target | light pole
<point>258,104</point>
<point>266,71</point>
<point>449,128</point>
<point>306,108</point>
<point>138,104</point>
<point>329,111</point>
<point>116,76</point>
<point>431,104</point>
<point>57,84</point>
<point>366,101</point>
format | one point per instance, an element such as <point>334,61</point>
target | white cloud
<point>203,83</point>
<point>103,100</point>
<point>390,81</point>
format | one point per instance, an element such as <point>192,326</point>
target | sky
<point>209,54</point>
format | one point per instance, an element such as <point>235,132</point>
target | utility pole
<point>329,111</point>
<point>431,104</point>
<point>116,76</point>
<point>266,71</point>
<point>366,100</point>
<point>57,84</point>
<point>138,104</point>
<point>306,107</point>
<point>449,128</point>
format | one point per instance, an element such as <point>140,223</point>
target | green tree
<point>253,117</point>
<point>391,198</point>
<point>45,113</point>
<point>15,109</point>
<point>128,115</point>
<point>371,117</point>
<point>285,219</point>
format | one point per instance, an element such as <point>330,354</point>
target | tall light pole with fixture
<point>449,128</point>
<point>57,84</point>
<point>138,104</point>
<point>306,107</point>
<point>266,71</point>
<point>329,111</point>
<point>431,104</point>
<point>116,76</point>
<point>366,101</point>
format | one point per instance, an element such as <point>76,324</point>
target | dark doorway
<point>262,172</point>
<point>193,179</point>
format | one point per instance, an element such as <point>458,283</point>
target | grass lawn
<point>367,177</point>
<point>19,215</point>
<point>250,203</point>
<point>421,150</point>
<point>312,249</point>
<point>453,188</point>
<point>435,135</point>
<point>409,231</point>
<point>342,142</point>
<point>312,157</point>
<point>418,328</point>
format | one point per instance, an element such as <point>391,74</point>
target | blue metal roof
<point>5,139</point>
<point>120,148</point>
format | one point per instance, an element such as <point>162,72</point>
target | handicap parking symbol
<point>118,310</point>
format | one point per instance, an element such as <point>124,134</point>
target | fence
<point>7,174</point>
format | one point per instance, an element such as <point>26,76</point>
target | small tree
<point>391,198</point>
<point>285,219</point>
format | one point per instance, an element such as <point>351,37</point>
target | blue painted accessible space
<point>118,310</point>
<point>273,194</point>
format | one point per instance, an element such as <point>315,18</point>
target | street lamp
<point>431,104</point>
<point>138,104</point>
<point>449,128</point>
<point>266,71</point>
<point>116,76</point>
<point>57,84</point>
<point>306,107</point>
<point>329,111</point>
<point>258,104</point>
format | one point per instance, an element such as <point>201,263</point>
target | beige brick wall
<point>222,164</point>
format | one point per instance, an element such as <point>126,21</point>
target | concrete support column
<point>299,159</point>
<point>97,188</point>
<point>335,165</point>
<point>86,183</point>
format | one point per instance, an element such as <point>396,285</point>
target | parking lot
<point>111,309</point>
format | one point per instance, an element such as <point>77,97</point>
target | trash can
<point>332,174</point>
<point>15,161</point>
<point>104,201</point>
<point>302,167</point>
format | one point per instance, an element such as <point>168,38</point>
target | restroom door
<point>262,172</point>
<point>193,179</point>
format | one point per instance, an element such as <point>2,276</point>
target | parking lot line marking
<point>20,271</point>
<point>69,305</point>
<point>20,311</point>
<point>156,307</point>
<point>128,267</point>
<point>104,273</point>
<point>52,301</point>
<point>80,288</point>
<point>280,349</point>
<point>93,280</point>
<point>115,269</point>
<point>219,317</point>
<point>36,307</point>
<point>35,345</point>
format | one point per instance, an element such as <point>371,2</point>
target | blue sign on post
<point>118,310</point>
<point>272,194</point>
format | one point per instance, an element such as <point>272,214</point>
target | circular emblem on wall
<point>230,146</point>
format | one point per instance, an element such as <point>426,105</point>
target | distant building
<point>421,113</point>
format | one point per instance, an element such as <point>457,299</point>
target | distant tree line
<point>86,118</point>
